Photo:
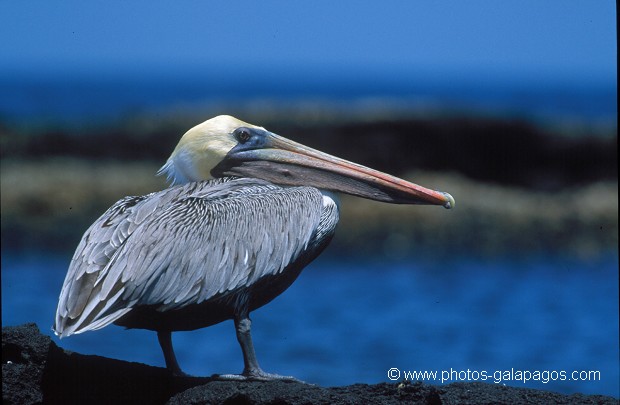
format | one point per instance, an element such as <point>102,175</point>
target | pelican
<point>246,211</point>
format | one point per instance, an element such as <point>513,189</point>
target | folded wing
<point>183,246</point>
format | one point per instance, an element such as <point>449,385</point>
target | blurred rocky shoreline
<point>520,188</point>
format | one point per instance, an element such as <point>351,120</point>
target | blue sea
<point>347,320</point>
<point>85,96</point>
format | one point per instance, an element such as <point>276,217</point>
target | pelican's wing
<point>183,246</point>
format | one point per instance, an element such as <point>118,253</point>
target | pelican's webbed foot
<point>256,375</point>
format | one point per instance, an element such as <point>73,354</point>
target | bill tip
<point>450,201</point>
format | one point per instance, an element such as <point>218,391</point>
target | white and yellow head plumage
<point>201,149</point>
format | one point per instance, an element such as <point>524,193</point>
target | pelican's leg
<point>165,341</point>
<point>251,369</point>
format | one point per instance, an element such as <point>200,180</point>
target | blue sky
<point>572,40</point>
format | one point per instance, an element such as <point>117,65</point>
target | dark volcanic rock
<point>280,392</point>
<point>411,393</point>
<point>24,358</point>
<point>35,370</point>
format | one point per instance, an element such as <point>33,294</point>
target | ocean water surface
<point>347,320</point>
<point>27,97</point>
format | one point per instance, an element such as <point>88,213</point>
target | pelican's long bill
<point>265,155</point>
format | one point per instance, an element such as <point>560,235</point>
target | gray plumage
<point>193,255</point>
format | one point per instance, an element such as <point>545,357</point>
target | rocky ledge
<point>35,370</point>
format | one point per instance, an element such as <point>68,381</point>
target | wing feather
<point>182,246</point>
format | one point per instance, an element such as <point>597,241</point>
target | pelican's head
<point>201,149</point>
<point>226,146</point>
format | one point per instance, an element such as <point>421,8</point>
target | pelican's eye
<point>242,135</point>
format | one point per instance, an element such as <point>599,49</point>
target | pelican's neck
<point>331,196</point>
<point>180,168</point>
